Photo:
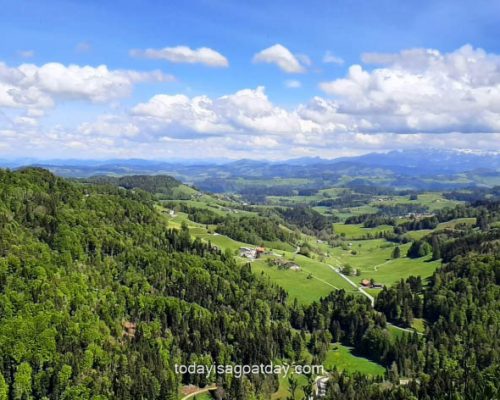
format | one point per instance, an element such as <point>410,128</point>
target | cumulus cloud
<point>245,111</point>
<point>424,91</point>
<point>282,57</point>
<point>38,87</point>
<point>184,54</point>
<point>413,99</point>
<point>109,125</point>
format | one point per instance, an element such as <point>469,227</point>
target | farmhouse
<point>370,284</point>
<point>247,252</point>
<point>259,251</point>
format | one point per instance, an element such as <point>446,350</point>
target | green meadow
<point>316,278</point>
<point>341,358</point>
<point>338,357</point>
<point>313,281</point>
<point>373,259</point>
<point>432,200</point>
<point>356,231</point>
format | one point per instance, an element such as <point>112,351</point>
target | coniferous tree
<point>396,253</point>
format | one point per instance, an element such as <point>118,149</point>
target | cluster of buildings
<point>254,253</point>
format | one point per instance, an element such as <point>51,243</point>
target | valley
<point>346,282</point>
<point>354,258</point>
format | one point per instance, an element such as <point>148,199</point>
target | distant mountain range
<point>395,166</point>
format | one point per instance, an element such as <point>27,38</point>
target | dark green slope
<point>79,265</point>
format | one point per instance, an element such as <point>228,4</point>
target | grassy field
<point>313,281</point>
<point>316,279</point>
<point>417,235</point>
<point>341,357</point>
<point>401,268</point>
<point>419,325</point>
<point>203,396</point>
<point>183,191</point>
<point>217,206</point>
<point>373,259</point>
<point>279,246</point>
<point>322,280</point>
<point>454,222</point>
<point>432,200</point>
<point>294,282</point>
<point>348,212</point>
<point>356,231</point>
<point>395,332</point>
<point>283,391</point>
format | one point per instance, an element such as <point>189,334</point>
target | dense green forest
<point>81,263</point>
<point>255,229</point>
<point>267,225</point>
<point>162,185</point>
<point>99,298</point>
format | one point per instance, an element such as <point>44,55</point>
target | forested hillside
<point>100,298</point>
<point>81,265</point>
<point>163,185</point>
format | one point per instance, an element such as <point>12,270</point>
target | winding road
<point>372,299</point>
<point>200,391</point>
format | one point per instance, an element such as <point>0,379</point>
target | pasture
<point>342,358</point>
<point>373,259</point>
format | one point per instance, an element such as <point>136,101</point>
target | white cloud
<point>38,87</point>
<point>423,91</point>
<point>330,58</point>
<point>442,100</point>
<point>184,54</point>
<point>282,57</point>
<point>293,84</point>
<point>264,141</point>
<point>24,121</point>
<point>109,125</point>
<point>245,111</point>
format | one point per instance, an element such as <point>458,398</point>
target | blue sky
<point>277,118</point>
